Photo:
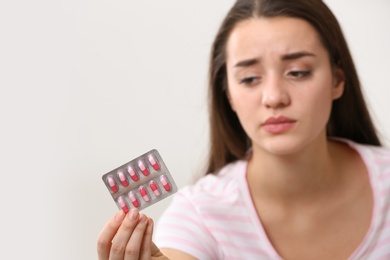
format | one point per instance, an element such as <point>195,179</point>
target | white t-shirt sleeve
<point>182,228</point>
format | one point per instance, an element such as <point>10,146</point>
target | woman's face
<point>280,83</point>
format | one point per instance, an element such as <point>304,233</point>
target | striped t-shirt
<point>215,218</point>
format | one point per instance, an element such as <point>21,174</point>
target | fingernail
<point>119,216</point>
<point>142,218</point>
<point>133,213</point>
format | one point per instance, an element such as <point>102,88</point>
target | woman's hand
<point>128,236</point>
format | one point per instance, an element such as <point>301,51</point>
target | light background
<point>88,85</point>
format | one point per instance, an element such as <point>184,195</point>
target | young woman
<point>296,168</point>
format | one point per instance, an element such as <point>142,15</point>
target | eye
<point>249,81</point>
<point>299,74</point>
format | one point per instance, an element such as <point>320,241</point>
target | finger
<point>134,245</point>
<point>123,235</point>
<point>146,247</point>
<point>107,235</point>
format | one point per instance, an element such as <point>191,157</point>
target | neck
<point>294,178</point>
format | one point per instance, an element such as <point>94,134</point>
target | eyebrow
<point>290,56</point>
<point>247,63</point>
<point>297,55</point>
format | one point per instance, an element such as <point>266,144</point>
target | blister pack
<point>140,182</point>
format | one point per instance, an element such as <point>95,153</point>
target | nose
<point>275,93</point>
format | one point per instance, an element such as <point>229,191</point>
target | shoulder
<point>375,152</point>
<point>216,192</point>
<point>377,161</point>
<point>376,158</point>
<point>225,182</point>
<point>198,210</point>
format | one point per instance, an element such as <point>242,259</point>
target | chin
<point>281,145</point>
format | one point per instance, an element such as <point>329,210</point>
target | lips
<point>278,125</point>
<point>278,120</point>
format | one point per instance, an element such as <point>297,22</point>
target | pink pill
<point>132,173</point>
<point>123,179</point>
<point>143,168</point>
<point>144,193</point>
<point>133,199</point>
<point>153,162</point>
<point>154,188</point>
<point>123,205</point>
<point>165,183</point>
<point>112,184</point>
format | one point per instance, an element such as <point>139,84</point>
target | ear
<point>338,83</point>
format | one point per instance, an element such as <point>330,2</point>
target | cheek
<point>320,91</point>
<point>245,105</point>
<point>242,104</point>
<point>319,105</point>
<point>242,98</point>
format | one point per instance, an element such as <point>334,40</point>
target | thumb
<point>155,250</point>
<point>156,253</point>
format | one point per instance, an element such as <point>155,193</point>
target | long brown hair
<point>349,117</point>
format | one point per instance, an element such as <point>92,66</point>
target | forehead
<point>271,36</point>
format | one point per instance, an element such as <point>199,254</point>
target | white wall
<point>88,85</point>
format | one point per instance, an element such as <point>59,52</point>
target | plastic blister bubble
<point>140,182</point>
